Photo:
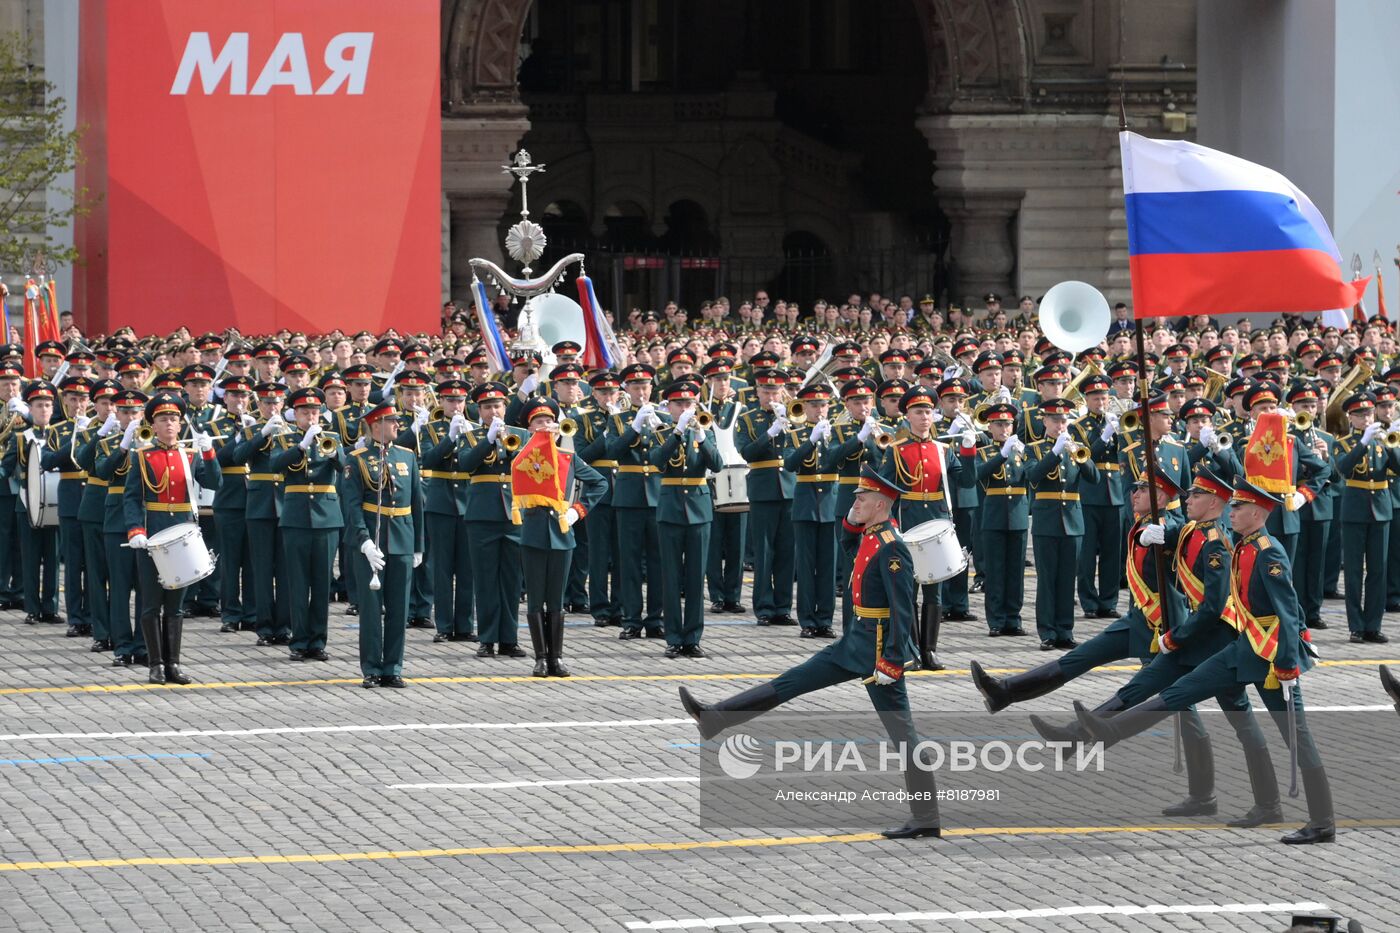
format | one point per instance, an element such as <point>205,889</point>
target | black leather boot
<point>930,619</point>
<point>1322,825</point>
<point>554,640</point>
<point>1200,778</point>
<point>1074,732</point>
<point>1116,727</point>
<point>1391,685</point>
<point>174,629</point>
<point>1000,692</point>
<point>535,620</point>
<point>736,709</point>
<point>150,631</point>
<point>1268,808</point>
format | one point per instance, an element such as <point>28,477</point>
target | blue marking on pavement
<point>90,759</point>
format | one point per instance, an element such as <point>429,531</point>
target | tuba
<point>1334,419</point>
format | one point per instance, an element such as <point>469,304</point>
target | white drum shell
<point>180,555</point>
<point>934,547</point>
<point>731,489</point>
<point>41,492</point>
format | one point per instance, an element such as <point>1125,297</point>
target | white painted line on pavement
<point>502,785</point>
<point>375,727</point>
<point>1121,910</point>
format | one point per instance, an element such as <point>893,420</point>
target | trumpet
<point>1130,420</point>
<point>1078,452</point>
<point>145,434</point>
<point>1222,443</point>
<point>884,437</point>
<point>703,420</point>
<point>795,413</point>
<point>568,427</point>
<point>1391,439</point>
<point>325,443</point>
<point>438,414</point>
<point>511,442</point>
<point>1302,421</point>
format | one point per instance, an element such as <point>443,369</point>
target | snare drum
<point>934,547</point>
<point>180,555</point>
<point>731,489</point>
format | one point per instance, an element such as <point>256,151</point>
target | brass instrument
<point>568,427</point>
<point>511,442</point>
<point>1334,420</point>
<point>145,434</point>
<point>703,420</point>
<point>979,416</point>
<point>438,414</point>
<point>1092,369</point>
<point>1302,421</point>
<point>1391,439</point>
<point>795,413</point>
<point>326,444</point>
<point>1130,420</point>
<point>1079,453</point>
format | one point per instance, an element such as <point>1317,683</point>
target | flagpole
<point>1149,445</point>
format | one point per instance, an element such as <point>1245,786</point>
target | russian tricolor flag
<point>1209,233</point>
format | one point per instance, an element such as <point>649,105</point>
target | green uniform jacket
<point>1134,622</point>
<point>383,499</point>
<point>591,443</point>
<point>1366,470</point>
<point>232,495</point>
<point>1266,588</point>
<point>1204,547</point>
<point>112,464</point>
<point>844,456</point>
<point>1109,490</point>
<point>635,484</point>
<point>814,496</point>
<point>1003,483</point>
<point>310,497</point>
<point>445,488</point>
<point>488,490</point>
<point>93,505</point>
<point>767,480</point>
<point>59,454</point>
<point>684,498</point>
<point>264,496</point>
<point>1054,481</point>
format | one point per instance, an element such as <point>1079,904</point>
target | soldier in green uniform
<point>724,572</point>
<point>635,491</point>
<point>236,602</point>
<point>445,512</point>
<point>955,418</point>
<point>763,438</point>
<point>1003,518</point>
<point>854,443</point>
<point>1101,551</point>
<point>60,454</point>
<point>683,454</point>
<point>111,463</point>
<point>604,567</point>
<point>310,523</point>
<point>258,445</point>
<point>1056,471</point>
<point>412,386</point>
<point>551,490</point>
<point>1172,458</point>
<point>1270,652</point>
<point>38,546</point>
<point>197,382</point>
<point>1315,518</point>
<point>1308,471</point>
<point>813,513</point>
<point>878,646</point>
<point>566,388</point>
<point>90,509</point>
<point>383,513</point>
<point>160,493</point>
<point>11,562</point>
<point>1366,514</point>
<point>487,452</point>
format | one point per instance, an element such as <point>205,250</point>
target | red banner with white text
<point>264,164</point>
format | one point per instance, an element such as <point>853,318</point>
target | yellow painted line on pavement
<point>620,847</point>
<point>556,681</point>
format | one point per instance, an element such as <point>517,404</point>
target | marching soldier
<point>1308,472</point>
<point>1003,518</point>
<point>725,564</point>
<point>160,494</point>
<point>635,489</point>
<point>763,438</point>
<point>445,510</point>
<point>60,455</point>
<point>197,382</point>
<point>486,456</point>
<point>236,601</point>
<point>1366,514</point>
<point>310,523</point>
<point>928,470</point>
<point>255,451</point>
<point>1101,552</point>
<point>813,513</point>
<point>604,565</point>
<point>383,510</point>
<point>684,454</point>
<point>1056,471</point>
<point>879,646</point>
<point>38,546</point>
<point>1270,652</point>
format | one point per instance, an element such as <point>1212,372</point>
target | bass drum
<point>41,491</point>
<point>180,555</point>
<point>934,547</point>
<point>732,489</point>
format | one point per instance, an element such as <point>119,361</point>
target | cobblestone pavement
<point>294,801</point>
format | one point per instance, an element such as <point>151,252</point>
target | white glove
<point>202,442</point>
<point>937,416</point>
<point>1061,442</point>
<point>1110,428</point>
<point>1162,644</point>
<point>109,426</point>
<point>373,555</point>
<point>640,419</point>
<point>398,368</point>
<point>527,385</point>
<point>457,426</point>
<point>129,438</point>
<point>821,431</point>
<point>82,421</point>
<point>247,420</point>
<point>389,383</point>
<point>684,419</point>
<point>420,418</point>
<point>1010,447</point>
<point>363,442</point>
<point>778,427</point>
<point>570,517</point>
<point>969,439</point>
<point>1370,433</point>
<point>1297,500</point>
<point>273,425</point>
<point>1207,434</point>
<point>326,415</point>
<point>883,679</point>
<point>309,437</point>
<point>1153,534</point>
<point>289,415</point>
<point>137,542</point>
<point>952,372</point>
<point>417,560</point>
<point>18,406</point>
<point>494,431</point>
<point>867,429</point>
